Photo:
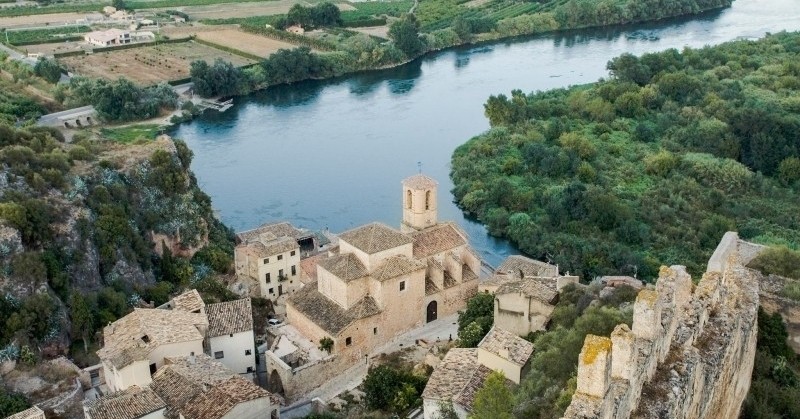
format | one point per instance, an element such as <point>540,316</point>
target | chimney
<point>192,359</point>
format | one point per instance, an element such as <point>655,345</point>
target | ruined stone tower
<point>419,203</point>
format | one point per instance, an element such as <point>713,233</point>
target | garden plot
<point>252,44</point>
<point>150,64</point>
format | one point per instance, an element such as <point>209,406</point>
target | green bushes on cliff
<point>647,168</point>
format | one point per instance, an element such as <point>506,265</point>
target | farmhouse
<point>380,283</point>
<point>108,37</point>
<point>463,371</point>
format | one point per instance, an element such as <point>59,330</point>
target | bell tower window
<point>427,200</point>
<point>408,198</point>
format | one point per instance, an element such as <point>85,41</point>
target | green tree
<point>405,34</point>
<point>81,318</point>
<point>48,69</point>
<point>119,4</point>
<point>299,15</point>
<point>11,403</point>
<point>494,400</point>
<point>476,321</point>
<point>326,344</point>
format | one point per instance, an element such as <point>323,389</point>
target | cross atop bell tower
<point>419,203</point>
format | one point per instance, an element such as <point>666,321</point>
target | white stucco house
<point>230,335</point>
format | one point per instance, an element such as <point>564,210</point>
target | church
<point>384,281</point>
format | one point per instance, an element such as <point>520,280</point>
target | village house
<point>463,371</point>
<point>132,403</point>
<point>189,387</point>
<point>230,335</point>
<point>526,292</point>
<point>382,282</point>
<point>136,345</point>
<point>269,256</point>
<point>197,387</point>
<point>108,37</point>
<point>32,413</point>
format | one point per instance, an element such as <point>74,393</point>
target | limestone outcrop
<point>690,351</point>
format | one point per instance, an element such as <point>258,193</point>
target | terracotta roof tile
<point>184,378</point>
<point>189,301</point>
<point>325,313</point>
<point>529,267</point>
<point>132,403</point>
<point>32,413</point>
<point>346,266</point>
<point>452,374</point>
<point>507,345</point>
<point>229,317</point>
<point>134,336</point>
<point>437,239</point>
<point>542,289</point>
<point>270,231</point>
<point>222,397</point>
<point>395,266</point>
<point>466,397</point>
<point>374,238</point>
<point>419,181</point>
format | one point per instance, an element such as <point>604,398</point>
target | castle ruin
<point>690,351</point>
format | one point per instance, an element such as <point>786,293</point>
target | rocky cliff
<point>689,353</point>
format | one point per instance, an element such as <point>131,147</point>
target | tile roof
<point>529,267</point>
<point>452,374</point>
<point>183,378</point>
<point>309,266</point>
<point>265,247</point>
<point>131,403</point>
<point>222,397</point>
<point>437,239</point>
<point>229,317</point>
<point>270,231</point>
<point>507,345</point>
<point>32,413</point>
<point>345,266</point>
<point>419,181</point>
<point>374,238</point>
<point>542,289</point>
<point>188,301</point>
<point>134,336</point>
<point>466,397</point>
<point>325,313</point>
<point>395,266</point>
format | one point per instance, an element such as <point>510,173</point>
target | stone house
<point>230,335</point>
<point>197,387</point>
<point>526,292</point>
<point>462,372</point>
<point>381,283</point>
<point>132,403</point>
<point>135,346</point>
<point>32,413</point>
<point>108,37</point>
<point>270,257</point>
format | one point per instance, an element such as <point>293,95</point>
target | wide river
<point>332,153</point>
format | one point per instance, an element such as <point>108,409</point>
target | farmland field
<point>53,48</point>
<point>243,41</point>
<point>148,65</point>
<point>45,19</point>
<point>41,36</point>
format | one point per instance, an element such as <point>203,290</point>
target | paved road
<point>16,55</point>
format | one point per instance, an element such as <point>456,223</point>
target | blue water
<point>332,153</point>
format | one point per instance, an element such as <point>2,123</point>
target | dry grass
<point>379,31</point>
<point>243,41</point>
<point>148,65</point>
<point>41,20</point>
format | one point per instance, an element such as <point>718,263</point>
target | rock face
<point>688,355</point>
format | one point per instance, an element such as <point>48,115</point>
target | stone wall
<point>297,382</point>
<point>689,353</point>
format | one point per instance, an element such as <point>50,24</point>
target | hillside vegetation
<point>648,168</point>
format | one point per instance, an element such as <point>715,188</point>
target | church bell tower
<point>419,203</point>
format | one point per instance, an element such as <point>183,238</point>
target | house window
<point>268,278</point>
<point>266,261</point>
<point>374,330</point>
<point>348,341</point>
<point>249,369</point>
<point>231,334</point>
<point>280,274</point>
<point>272,290</point>
<point>292,253</point>
<point>248,351</point>
<point>280,257</point>
<point>219,354</point>
<point>146,339</point>
<point>294,270</point>
<point>402,285</point>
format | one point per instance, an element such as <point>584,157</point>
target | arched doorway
<point>275,385</point>
<point>431,311</point>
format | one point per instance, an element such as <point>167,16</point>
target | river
<point>331,154</point>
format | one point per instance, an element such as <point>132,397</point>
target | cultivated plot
<point>253,44</point>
